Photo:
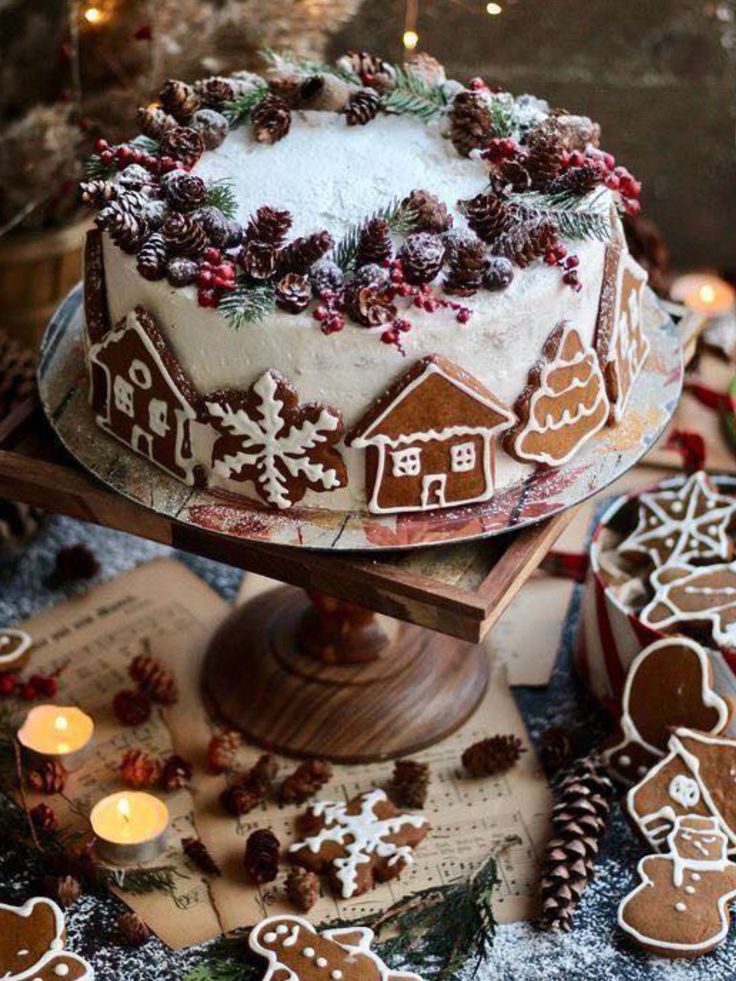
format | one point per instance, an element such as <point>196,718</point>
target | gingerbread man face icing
<point>296,952</point>
<point>31,945</point>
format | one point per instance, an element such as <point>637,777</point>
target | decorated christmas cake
<point>359,286</point>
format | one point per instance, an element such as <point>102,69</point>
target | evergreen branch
<point>238,110</point>
<point>220,194</point>
<point>305,66</point>
<point>146,144</point>
<point>247,303</point>
<point>576,218</point>
<point>94,169</point>
<point>412,96</point>
<point>503,116</point>
<point>139,882</point>
<point>401,221</point>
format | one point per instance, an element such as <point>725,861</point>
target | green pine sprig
<point>412,96</point>
<point>503,116</point>
<point>401,220</point>
<point>93,168</point>
<point>248,303</point>
<point>577,218</point>
<point>221,194</point>
<point>307,67</point>
<point>239,109</point>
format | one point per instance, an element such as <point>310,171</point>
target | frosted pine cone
<point>127,231</point>
<point>183,235</point>
<point>212,126</point>
<point>527,241</point>
<point>471,124</point>
<point>421,257</point>
<point>214,91</point>
<point>49,777</point>
<point>369,68</point>
<point>326,276</point>
<point>133,930</point>
<point>426,68</point>
<point>576,180</point>
<point>151,263</point>
<point>369,306</point>
<point>409,783</point>
<point>293,293</point>
<point>362,107</point>
<point>545,160</point>
<point>222,750</point>
<point>184,144</point>
<point>154,679</point>
<point>431,213</point>
<point>262,856</point>
<point>176,773</point>
<point>179,100</point>
<point>269,225</point>
<point>302,888</point>
<point>181,271</point>
<point>131,707</point>
<point>184,191</point>
<point>468,262</point>
<point>258,259</point>
<point>134,177</point>
<point>488,216</point>
<point>197,852</point>
<point>493,755</point>
<point>374,243</point>
<point>271,120</point>
<point>301,254</point>
<point>97,192</point>
<point>499,273</point>
<point>154,121</point>
<point>215,224</point>
<point>138,769</point>
<point>305,781</point>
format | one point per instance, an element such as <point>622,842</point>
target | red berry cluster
<point>501,148</point>
<point>422,298</point>
<point>616,179</point>
<point>123,155</point>
<point>558,256</point>
<point>216,276</point>
<point>330,311</point>
<point>33,688</point>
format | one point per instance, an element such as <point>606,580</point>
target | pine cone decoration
<point>302,253</point>
<point>302,888</point>
<point>49,777</point>
<point>308,778</point>
<point>153,679</point>
<point>176,773</point>
<point>576,180</point>
<point>127,231</point>
<point>154,121</point>
<point>488,216</point>
<point>528,241</point>
<point>179,100</point>
<point>468,263</point>
<point>362,107</point>
<point>97,192</point>
<point>421,257</point>
<point>64,889</point>
<point>494,755</point>
<point>514,172</point>
<point>214,91</point>
<point>293,292</point>
<point>271,120</point>
<point>17,374</point>
<point>18,522</point>
<point>369,306</point>
<point>131,707</point>
<point>138,769</point>
<point>223,749</point>
<point>262,856</point>
<point>212,126</point>
<point>215,224</point>
<point>151,263</point>
<point>326,277</point>
<point>197,853</point>
<point>431,213</point>
<point>44,819</point>
<point>181,271</point>
<point>374,244</point>
<point>269,225</point>
<point>239,800</point>
<point>263,773</point>
<point>75,563</point>
<point>579,821</point>
<point>183,235</point>
<point>544,162</point>
<point>369,68</point>
<point>133,930</point>
<point>409,783</point>
<point>471,124</point>
<point>183,144</point>
<point>258,259</point>
<point>184,191</point>
<point>555,748</point>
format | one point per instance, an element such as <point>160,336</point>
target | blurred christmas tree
<point>72,70</point>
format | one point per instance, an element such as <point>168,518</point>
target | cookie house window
<point>140,374</point>
<point>406,462</point>
<point>157,417</point>
<point>462,457</point>
<point>123,396</point>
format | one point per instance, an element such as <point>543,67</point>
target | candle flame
<point>411,40</point>
<point>124,808</point>
<point>707,293</point>
<point>93,15</point>
<point>61,723</point>
<point>494,9</point>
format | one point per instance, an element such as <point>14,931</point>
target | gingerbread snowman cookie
<point>32,942</point>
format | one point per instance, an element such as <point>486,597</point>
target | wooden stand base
<point>418,688</point>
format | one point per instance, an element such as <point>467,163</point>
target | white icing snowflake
<point>361,836</point>
<point>284,448</point>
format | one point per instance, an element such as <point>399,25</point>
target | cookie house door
<point>433,490</point>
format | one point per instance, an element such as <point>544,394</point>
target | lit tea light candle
<point>704,293</point>
<point>59,732</point>
<point>130,827</point>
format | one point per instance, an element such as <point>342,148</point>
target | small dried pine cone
<point>131,707</point>
<point>468,262</point>
<point>374,243</point>
<point>409,783</point>
<point>184,236</point>
<point>269,225</point>
<point>431,213</point>
<point>184,144</point>
<point>151,261</point>
<point>139,769</point>
<point>179,99</point>
<point>239,800</point>
<point>44,818</point>
<point>214,91</point>
<point>49,777</point>
<point>422,255</point>
<point>261,858</point>
<point>308,778</point>
<point>369,306</point>
<point>362,107</point>
<point>64,889</point>
<point>293,292</point>
<point>271,119</point>
<point>184,191</point>
<point>97,192</point>
<point>75,563</point>
<point>258,259</point>
<point>198,853</point>
<point>222,750</point>
<point>491,756</point>
<point>176,773</point>
<point>212,126</point>
<point>154,121</point>
<point>303,252</point>
<point>154,679</point>
<point>302,888</point>
<point>555,748</point>
<point>133,930</point>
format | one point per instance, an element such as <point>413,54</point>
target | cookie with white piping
<point>32,945</point>
<point>15,649</point>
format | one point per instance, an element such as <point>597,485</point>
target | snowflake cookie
<point>359,843</point>
<point>32,942</point>
<point>283,447</point>
<point>296,952</point>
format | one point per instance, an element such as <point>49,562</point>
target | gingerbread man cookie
<point>15,649</point>
<point>359,843</point>
<point>32,942</point>
<point>669,684</point>
<point>680,907</point>
<point>296,952</point>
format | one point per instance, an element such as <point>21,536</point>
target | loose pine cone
<point>197,853</point>
<point>18,522</point>
<point>269,225</point>
<point>179,100</point>
<point>153,679</point>
<point>369,306</point>
<point>239,800</point>
<point>214,91</point>
<point>223,749</point>
<point>579,821</point>
<point>471,123</point>
<point>181,271</point>
<point>258,259</point>
<point>576,180</point>
<point>49,777</point>
<point>183,235</point>
<point>293,293</point>
<point>326,277</point>
<point>409,783</point>
<point>215,224</point>
<point>75,563</point>
<point>362,107</point>
<point>555,748</point>
<point>17,374</point>
<point>488,216</point>
<point>131,707</point>
<point>97,192</point>
<point>63,889</point>
<point>183,144</point>
<point>44,819</point>
<point>527,241</point>
<point>301,254</point>
<point>263,773</point>
<point>545,160</point>
<point>128,231</point>
<point>468,262</point>
<point>308,778</point>
<point>212,126</point>
<point>262,856</point>
<point>369,68</point>
<point>374,243</point>
<point>271,119</point>
<point>133,930</point>
<point>184,191</point>
<point>421,257</point>
<point>139,769</point>
<point>493,755</point>
<point>176,773</point>
<point>431,213</point>
<point>151,263</point>
<point>154,121</point>
<point>302,888</point>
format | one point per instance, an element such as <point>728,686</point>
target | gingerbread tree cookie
<point>564,403</point>
<point>680,907</point>
<point>32,942</point>
<point>283,447</point>
<point>359,843</point>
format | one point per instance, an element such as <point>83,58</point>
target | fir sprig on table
<point>307,67</point>
<point>412,96</point>
<point>401,221</point>
<point>503,116</point>
<point>238,110</point>
<point>247,303</point>
<point>221,194</point>
<point>577,218</point>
